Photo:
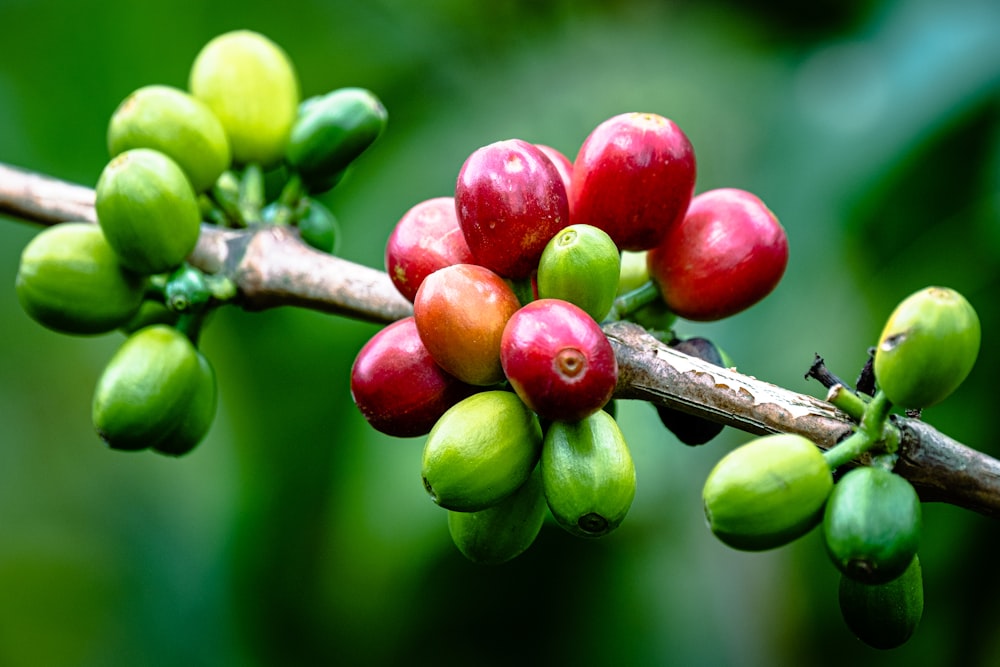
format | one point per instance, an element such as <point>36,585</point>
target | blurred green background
<point>296,535</point>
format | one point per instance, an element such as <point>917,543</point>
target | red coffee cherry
<point>510,201</point>
<point>728,253</point>
<point>562,163</point>
<point>460,312</point>
<point>397,385</point>
<point>558,360</point>
<point>634,178</point>
<point>425,239</point>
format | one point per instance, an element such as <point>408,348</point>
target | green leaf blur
<point>297,535</point>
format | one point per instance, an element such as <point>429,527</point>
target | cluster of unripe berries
<point>237,148</point>
<point>504,365</point>
<point>777,488</point>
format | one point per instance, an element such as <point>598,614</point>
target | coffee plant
<point>518,309</point>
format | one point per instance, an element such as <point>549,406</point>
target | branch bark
<point>272,267</point>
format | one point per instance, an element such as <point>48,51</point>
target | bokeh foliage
<point>295,535</point>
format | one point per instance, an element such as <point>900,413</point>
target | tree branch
<point>272,267</point>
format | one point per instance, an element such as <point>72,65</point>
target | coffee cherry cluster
<point>504,365</point>
<point>238,148</point>
<point>777,488</point>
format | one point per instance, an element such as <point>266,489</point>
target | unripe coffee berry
<point>767,492</point>
<point>927,348</point>
<point>147,210</point>
<point>250,84</point>
<point>70,280</point>
<point>582,265</point>
<point>176,123</point>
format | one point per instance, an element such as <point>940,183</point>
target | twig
<point>818,371</point>
<point>272,267</point>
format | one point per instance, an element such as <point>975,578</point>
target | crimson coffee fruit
<point>562,164</point>
<point>510,201</point>
<point>633,177</point>
<point>461,311</point>
<point>426,238</point>
<point>728,253</point>
<point>558,360</point>
<point>398,387</point>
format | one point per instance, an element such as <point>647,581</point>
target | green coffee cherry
<point>480,451</point>
<point>927,348</point>
<point>582,265</point>
<point>330,132</point>
<point>634,271</point>
<point>195,423</point>
<point>504,531</point>
<point>319,227</point>
<point>71,281</point>
<point>767,492</point>
<point>884,616</point>
<point>156,391</point>
<point>655,315</point>
<point>250,84</point>
<point>177,124</point>
<point>148,211</point>
<point>588,474</point>
<point>871,525</point>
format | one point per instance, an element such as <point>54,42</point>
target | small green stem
<point>226,193</point>
<point>629,302</point>
<point>292,192</point>
<point>854,446</point>
<point>221,287</point>
<point>872,430</point>
<point>190,324</point>
<point>217,217</point>
<point>887,461</point>
<point>251,197</point>
<point>847,401</point>
<point>876,413</point>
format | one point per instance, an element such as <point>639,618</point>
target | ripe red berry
<point>633,177</point>
<point>398,387</point>
<point>727,254</point>
<point>510,201</point>
<point>558,360</point>
<point>460,312</point>
<point>424,240</point>
<point>562,163</point>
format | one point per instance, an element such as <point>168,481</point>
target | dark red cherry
<point>398,387</point>
<point>425,239</point>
